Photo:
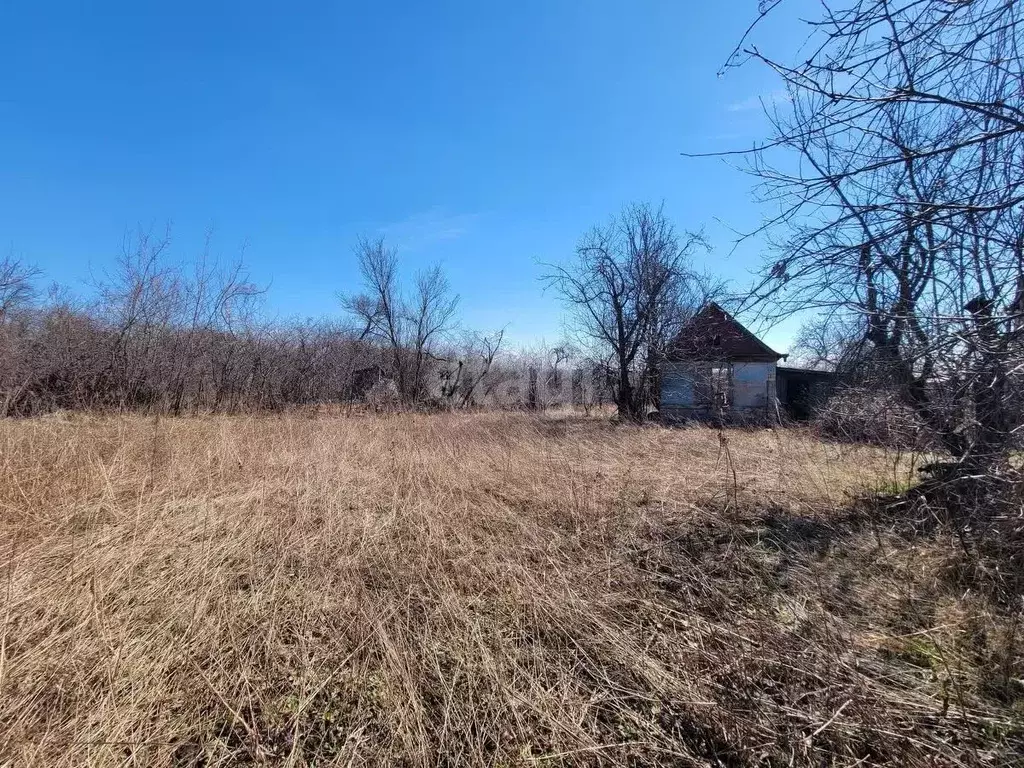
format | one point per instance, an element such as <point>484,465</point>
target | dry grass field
<point>480,589</point>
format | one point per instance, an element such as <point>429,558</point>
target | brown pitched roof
<point>714,334</point>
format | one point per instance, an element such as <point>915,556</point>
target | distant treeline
<point>180,339</point>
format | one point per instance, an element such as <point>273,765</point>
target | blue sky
<point>485,135</point>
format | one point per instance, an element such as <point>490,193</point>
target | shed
<point>801,390</point>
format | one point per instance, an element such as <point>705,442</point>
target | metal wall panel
<point>752,383</point>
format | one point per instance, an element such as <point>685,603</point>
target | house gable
<point>714,334</point>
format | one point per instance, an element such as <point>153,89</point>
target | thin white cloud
<point>758,101</point>
<point>428,227</point>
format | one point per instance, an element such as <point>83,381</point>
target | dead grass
<point>489,589</point>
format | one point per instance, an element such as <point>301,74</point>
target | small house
<point>715,367</point>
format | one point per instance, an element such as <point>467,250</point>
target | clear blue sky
<point>484,135</point>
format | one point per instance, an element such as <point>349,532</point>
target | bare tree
<point>629,287</point>
<point>16,284</point>
<point>904,214</point>
<point>409,327</point>
<point>379,311</point>
<point>138,301</point>
<point>214,299</point>
<point>827,344</point>
<point>472,374</point>
<point>558,355</point>
<point>430,314</point>
<point>16,293</point>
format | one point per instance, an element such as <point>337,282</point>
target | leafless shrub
<point>858,414</point>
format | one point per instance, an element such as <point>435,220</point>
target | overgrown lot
<point>486,589</point>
